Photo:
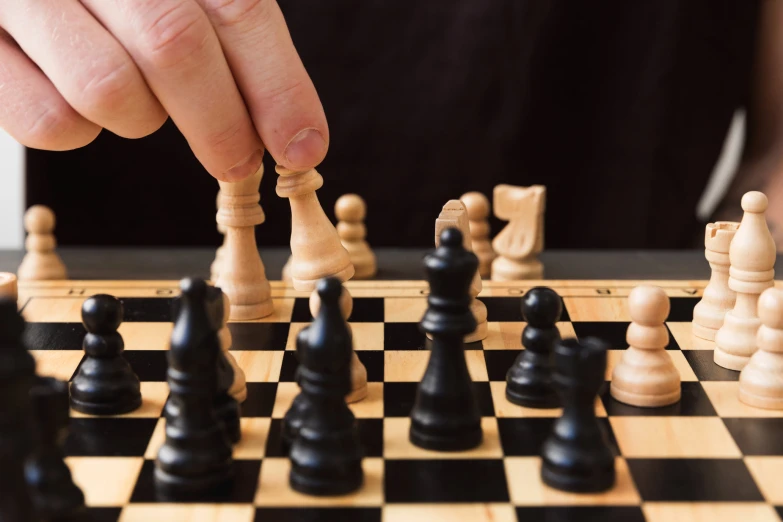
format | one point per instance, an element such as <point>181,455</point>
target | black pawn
<point>326,455</point>
<point>529,380</point>
<point>104,383</point>
<point>577,456</point>
<point>17,374</point>
<point>55,496</point>
<point>196,457</point>
<point>445,415</point>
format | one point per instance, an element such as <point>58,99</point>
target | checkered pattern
<point>709,457</point>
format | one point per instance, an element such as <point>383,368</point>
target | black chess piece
<point>17,374</point>
<point>300,406</point>
<point>577,457</point>
<point>326,455</point>
<point>529,380</point>
<point>195,458</point>
<point>54,494</point>
<point>105,383</point>
<point>445,415</point>
<point>227,409</point>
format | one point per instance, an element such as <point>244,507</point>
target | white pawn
<point>761,381</point>
<point>238,389</point>
<point>477,206</point>
<point>350,211</point>
<point>752,255</point>
<point>646,376</point>
<point>41,262</point>
<point>214,269</point>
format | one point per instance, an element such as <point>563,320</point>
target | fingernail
<point>305,149</point>
<point>246,167</point>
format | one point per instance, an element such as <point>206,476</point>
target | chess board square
<point>580,514</point>
<point>108,437</point>
<point>693,480</point>
<point>506,409</point>
<point>693,402</point>
<point>508,336</point>
<point>410,365</point>
<point>149,365</point>
<point>708,512</point>
<point>525,437</point>
<point>146,336</point>
<point>598,308</point>
<point>404,309</point>
<point>105,514</point>
<point>370,436</point>
<point>301,310</point>
<point>369,407</point>
<point>283,309</point>
<point>504,309</point>
<point>498,362</point>
<point>254,434</point>
<point>260,366</point>
<point>105,481</point>
<point>527,488</point>
<point>178,512</point>
<point>450,513</point>
<point>397,445</point>
<point>61,364</point>
<point>399,397</point>
<point>673,437</point>
<point>53,309</point>
<point>373,362</point>
<point>402,336</point>
<point>147,309</point>
<point>260,399</point>
<point>53,336</point>
<point>682,308</point>
<point>365,310</point>
<point>299,514</point>
<point>612,333</point>
<point>445,480</point>
<point>274,489</point>
<point>725,397</point>
<point>258,336</point>
<point>366,336</point>
<point>757,436</point>
<point>241,489</point>
<point>767,472</point>
<point>685,339</point>
<point>703,365</point>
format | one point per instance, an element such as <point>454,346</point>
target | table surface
<point>393,263</point>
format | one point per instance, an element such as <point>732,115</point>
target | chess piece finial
<point>477,205</point>
<point>718,298</point>
<point>646,376</point>
<point>350,211</point>
<point>761,381</point>
<point>752,255</point>
<point>41,262</point>
<point>522,240</point>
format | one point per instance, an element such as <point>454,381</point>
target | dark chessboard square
<point>147,309</point>
<point>580,514</point>
<point>705,368</point>
<point>403,336</point>
<point>373,361</point>
<point>398,398</point>
<point>149,365</point>
<point>523,437</point>
<point>259,336</point>
<point>53,336</point>
<point>509,309</point>
<point>274,440</point>
<point>303,514</point>
<point>370,435</point>
<point>241,490</point>
<point>693,403</point>
<point>448,480</point>
<point>301,311</point>
<point>367,310</point>
<point>108,436</point>
<point>757,436</point>
<point>682,309</point>
<point>260,399</point>
<point>694,480</point>
<point>498,363</point>
<point>103,514</point>
<point>288,368</point>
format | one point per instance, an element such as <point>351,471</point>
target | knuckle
<point>225,139</point>
<point>172,31</point>
<point>284,89</point>
<point>234,12</point>
<point>55,128</point>
<point>107,85</point>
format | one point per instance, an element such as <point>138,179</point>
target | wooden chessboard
<point>708,457</point>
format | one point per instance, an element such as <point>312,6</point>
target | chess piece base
<point>645,401</point>
<point>309,284</point>
<point>125,405</point>
<point>462,441</point>
<point>351,478</point>
<point>176,487</point>
<point>703,332</point>
<point>760,401</point>
<point>520,398</point>
<point>504,269</point>
<point>729,361</point>
<point>565,480</point>
<point>241,312</point>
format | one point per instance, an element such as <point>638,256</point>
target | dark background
<point>620,108</point>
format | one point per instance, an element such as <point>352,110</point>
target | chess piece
<point>54,494</point>
<point>41,262</point>
<point>214,269</point>
<point>17,374</point>
<point>522,240</point>
<point>316,251</point>
<point>646,376</point>
<point>241,274</point>
<point>576,457</point>
<point>350,211</point>
<point>454,215</point>
<point>238,387</point>
<point>226,406</point>
<point>8,286</point>
<point>477,206</point>
<point>285,275</point>
<point>761,381</point>
<point>105,383</point>
<point>326,455</point>
<point>529,380</point>
<point>752,254</point>
<point>445,415</point>
<point>718,298</point>
<point>196,456</point>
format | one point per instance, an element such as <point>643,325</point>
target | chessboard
<point>708,457</point>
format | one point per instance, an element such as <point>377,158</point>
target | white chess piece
<point>350,211</point>
<point>761,381</point>
<point>478,209</point>
<point>41,262</point>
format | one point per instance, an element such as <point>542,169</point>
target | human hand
<point>226,72</point>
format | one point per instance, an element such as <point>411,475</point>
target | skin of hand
<point>225,71</point>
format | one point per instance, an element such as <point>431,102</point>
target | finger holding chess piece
<point>41,262</point>
<point>761,381</point>
<point>350,211</point>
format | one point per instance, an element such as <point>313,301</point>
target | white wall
<point>11,193</point>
